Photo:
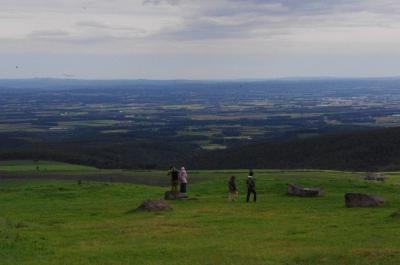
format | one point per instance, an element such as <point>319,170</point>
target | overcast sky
<point>199,39</point>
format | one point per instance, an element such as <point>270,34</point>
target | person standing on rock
<point>183,176</point>
<point>174,180</point>
<point>233,193</point>
<point>251,187</point>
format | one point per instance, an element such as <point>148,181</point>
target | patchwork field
<point>85,222</point>
<point>198,113</point>
<point>145,124</point>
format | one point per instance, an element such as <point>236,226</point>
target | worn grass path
<point>62,222</point>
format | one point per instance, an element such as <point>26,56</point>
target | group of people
<point>179,179</point>
<point>251,188</point>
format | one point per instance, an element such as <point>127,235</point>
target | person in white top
<point>183,176</point>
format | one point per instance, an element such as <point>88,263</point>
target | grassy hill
<point>64,222</point>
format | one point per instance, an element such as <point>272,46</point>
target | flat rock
<point>154,206</point>
<point>168,195</point>
<point>354,199</point>
<point>298,190</point>
<point>374,176</point>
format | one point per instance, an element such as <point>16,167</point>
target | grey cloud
<point>159,2</point>
<point>99,25</point>
<point>236,19</point>
<point>91,24</point>
<point>192,38</point>
<point>288,7</point>
<point>266,18</point>
<point>206,29</point>
<point>49,34</point>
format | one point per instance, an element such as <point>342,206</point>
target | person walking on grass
<point>174,180</point>
<point>233,193</point>
<point>251,187</point>
<point>183,176</point>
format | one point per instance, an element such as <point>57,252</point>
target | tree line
<point>366,150</point>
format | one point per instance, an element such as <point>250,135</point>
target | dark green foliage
<point>124,154</point>
<point>370,150</point>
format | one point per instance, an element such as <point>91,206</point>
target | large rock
<point>154,206</point>
<point>354,199</point>
<point>298,190</point>
<point>374,176</point>
<point>168,195</point>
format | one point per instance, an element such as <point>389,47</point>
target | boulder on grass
<point>168,195</point>
<point>354,199</point>
<point>298,190</point>
<point>374,176</point>
<point>154,206</point>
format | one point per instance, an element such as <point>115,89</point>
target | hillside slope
<point>63,222</point>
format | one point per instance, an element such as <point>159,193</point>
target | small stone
<point>154,206</point>
<point>354,199</point>
<point>374,176</point>
<point>298,190</point>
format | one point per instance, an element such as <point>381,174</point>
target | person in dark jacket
<point>233,193</point>
<point>251,187</point>
<point>174,180</point>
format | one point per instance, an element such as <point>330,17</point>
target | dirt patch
<point>143,180</point>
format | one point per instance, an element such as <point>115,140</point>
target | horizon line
<point>288,78</point>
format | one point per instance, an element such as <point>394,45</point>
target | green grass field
<point>50,166</point>
<point>63,222</point>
